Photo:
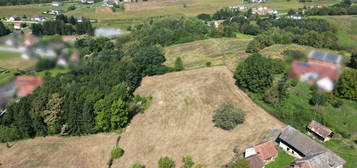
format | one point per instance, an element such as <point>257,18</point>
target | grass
<point>10,60</point>
<point>53,72</point>
<point>7,77</point>
<point>281,161</point>
<point>220,51</point>
<point>347,152</point>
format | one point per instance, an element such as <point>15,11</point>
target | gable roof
<point>319,129</point>
<point>255,162</point>
<point>323,160</point>
<point>300,142</point>
<point>313,151</point>
<point>27,84</point>
<point>266,150</point>
<point>322,71</point>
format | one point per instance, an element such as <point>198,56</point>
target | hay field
<point>179,120</point>
<point>10,60</point>
<point>68,152</point>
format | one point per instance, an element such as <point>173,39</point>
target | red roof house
<point>266,150</point>
<point>27,84</point>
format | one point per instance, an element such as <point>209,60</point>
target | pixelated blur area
<point>321,68</point>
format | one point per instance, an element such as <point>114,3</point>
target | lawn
<point>281,161</point>
<point>53,72</point>
<point>7,77</point>
<point>346,151</point>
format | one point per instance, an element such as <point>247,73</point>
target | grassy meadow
<point>281,161</point>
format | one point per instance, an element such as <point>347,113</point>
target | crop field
<point>179,120</point>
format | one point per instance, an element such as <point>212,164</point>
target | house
<point>257,1</point>
<point>319,131</point>
<point>266,151</point>
<point>110,3</point>
<point>56,3</point>
<point>321,5</point>
<point>68,38</point>
<point>263,11</point>
<point>26,84</point>
<point>309,152</point>
<point>240,7</point>
<point>216,23</point>
<point>322,69</point>
<point>12,18</point>
<point>55,11</point>
<point>38,18</point>
<point>62,61</point>
<point>17,26</point>
<point>295,16</point>
<point>261,154</point>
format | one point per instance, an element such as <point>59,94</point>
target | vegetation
<point>241,163</point>
<point>282,160</point>
<point>347,85</point>
<point>3,29</point>
<point>116,152</point>
<point>227,116</point>
<point>14,2</point>
<point>137,165</point>
<point>166,162</point>
<point>343,8</point>
<point>179,64</point>
<point>63,25</point>
<point>45,64</point>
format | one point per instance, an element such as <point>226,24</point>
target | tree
<point>254,74</point>
<point>116,152</point>
<point>52,114</point>
<point>166,162</point>
<point>347,85</point>
<point>179,64</point>
<point>353,60</point>
<point>3,30</point>
<point>204,16</point>
<point>45,64</point>
<point>119,115</point>
<point>241,163</point>
<point>227,116</point>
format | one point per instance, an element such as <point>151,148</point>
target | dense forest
<point>97,95</point>
<point>63,25</point>
<point>3,29</point>
<point>23,2</point>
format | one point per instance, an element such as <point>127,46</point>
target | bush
<point>318,99</point>
<point>187,162</point>
<point>228,116</point>
<point>116,152</point>
<point>137,165</point>
<point>179,64</point>
<point>166,162</point>
<point>291,55</point>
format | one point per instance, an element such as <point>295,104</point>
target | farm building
<point>319,131</point>
<point>263,10</point>
<point>307,150</point>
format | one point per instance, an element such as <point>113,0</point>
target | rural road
<point>10,49</point>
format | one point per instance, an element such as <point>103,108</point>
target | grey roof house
<point>308,151</point>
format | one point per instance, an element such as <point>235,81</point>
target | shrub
<point>116,152</point>
<point>291,55</point>
<point>137,165</point>
<point>178,64</point>
<point>208,64</point>
<point>166,162</point>
<point>318,99</point>
<point>228,116</point>
<point>187,162</point>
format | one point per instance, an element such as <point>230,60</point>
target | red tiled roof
<point>255,162</point>
<point>27,84</point>
<point>266,150</point>
<point>319,129</point>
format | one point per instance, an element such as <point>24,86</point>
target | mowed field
<point>12,61</point>
<point>91,151</point>
<point>179,120</point>
<point>221,51</point>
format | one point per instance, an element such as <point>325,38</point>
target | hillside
<point>179,120</point>
<point>70,152</point>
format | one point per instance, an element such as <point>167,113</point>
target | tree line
<point>63,25</point>
<point>343,8</point>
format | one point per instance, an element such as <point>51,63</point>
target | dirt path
<point>179,120</point>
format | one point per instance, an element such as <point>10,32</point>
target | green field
<point>10,60</point>
<point>346,151</point>
<point>281,161</point>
